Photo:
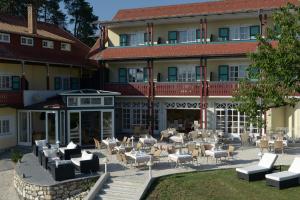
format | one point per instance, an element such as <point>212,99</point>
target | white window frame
<point>79,104</point>
<point>236,34</point>
<point>49,44</point>
<point>2,76</point>
<point>65,46</point>
<point>186,73</point>
<point>239,76</point>
<point>133,71</point>
<point>5,119</point>
<point>4,35</point>
<point>27,39</point>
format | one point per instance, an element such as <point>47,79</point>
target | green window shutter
<point>75,83</point>
<point>122,75</point>
<point>16,82</point>
<point>57,83</point>
<point>224,33</point>
<point>145,37</point>
<point>198,77</point>
<point>223,73</point>
<point>123,40</point>
<point>172,37</point>
<point>254,31</point>
<point>145,74</point>
<point>172,74</point>
<point>198,35</point>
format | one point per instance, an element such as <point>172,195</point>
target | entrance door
<point>74,128</point>
<point>107,125</point>
<point>24,137</point>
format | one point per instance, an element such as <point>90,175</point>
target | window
<point>75,83</point>
<point>4,127</point>
<point>5,82</point>
<point>108,101</point>
<point>245,33</point>
<point>186,74</point>
<point>172,37</point>
<point>199,71</point>
<point>172,74</point>
<point>124,40</point>
<point>26,41</point>
<point>237,72</point>
<point>123,75</point>
<point>65,46</point>
<point>16,82</point>
<point>136,75</point>
<point>254,31</point>
<point>199,36</point>
<point>85,101</point>
<point>126,118</point>
<point>72,101</point>
<point>5,37</point>
<point>66,83</point>
<point>224,34</point>
<point>223,73</point>
<point>48,44</point>
<point>183,36</point>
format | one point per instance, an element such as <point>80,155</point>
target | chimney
<point>31,19</point>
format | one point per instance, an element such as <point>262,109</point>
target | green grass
<point>216,185</point>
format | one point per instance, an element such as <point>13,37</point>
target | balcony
<point>173,88</point>
<point>11,98</point>
<point>128,89</point>
<point>221,88</point>
<point>177,89</point>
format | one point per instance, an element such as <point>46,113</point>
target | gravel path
<point>7,168</point>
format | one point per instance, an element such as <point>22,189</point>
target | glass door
<point>74,127</point>
<point>107,125</point>
<point>24,137</point>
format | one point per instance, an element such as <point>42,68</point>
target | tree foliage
<point>82,17</point>
<point>275,66</point>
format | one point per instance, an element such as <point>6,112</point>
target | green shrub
<point>16,155</point>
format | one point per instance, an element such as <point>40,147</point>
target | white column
<point>56,127</point>
<point>113,123</point>
<point>46,125</point>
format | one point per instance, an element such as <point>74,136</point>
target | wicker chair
<point>264,144</point>
<point>278,146</point>
<point>191,147</point>
<point>195,156</point>
<point>156,156</point>
<point>97,144</point>
<point>230,151</point>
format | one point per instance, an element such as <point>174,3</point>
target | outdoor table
<point>138,157</point>
<point>122,148</point>
<point>217,154</point>
<point>180,158</point>
<point>177,139</point>
<point>150,141</point>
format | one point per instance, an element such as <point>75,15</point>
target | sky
<point>106,9</point>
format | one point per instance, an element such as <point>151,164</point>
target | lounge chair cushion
<point>71,145</point>
<point>282,176</point>
<point>295,166</point>
<point>49,153</point>
<point>252,169</point>
<point>62,162</point>
<point>76,161</point>
<point>268,160</point>
<point>41,143</point>
<point>86,156</point>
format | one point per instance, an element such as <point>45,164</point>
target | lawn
<point>216,185</point>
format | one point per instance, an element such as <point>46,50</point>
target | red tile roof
<point>17,27</point>
<point>176,51</point>
<point>203,8</point>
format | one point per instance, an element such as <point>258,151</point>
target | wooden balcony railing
<point>128,89</point>
<point>11,98</point>
<point>221,88</point>
<point>173,88</point>
<point>177,89</point>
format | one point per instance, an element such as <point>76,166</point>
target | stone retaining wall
<point>72,190</point>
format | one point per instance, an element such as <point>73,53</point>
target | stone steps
<point>121,188</point>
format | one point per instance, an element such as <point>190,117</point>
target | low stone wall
<point>72,190</point>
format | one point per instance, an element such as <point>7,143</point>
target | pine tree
<point>81,18</point>
<point>49,11</point>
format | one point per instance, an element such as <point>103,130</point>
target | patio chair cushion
<point>76,161</point>
<point>282,176</point>
<point>62,162</point>
<point>295,166</point>
<point>62,149</point>
<point>50,153</point>
<point>71,145</point>
<point>268,160</point>
<point>252,169</point>
<point>86,156</point>
<point>41,143</point>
